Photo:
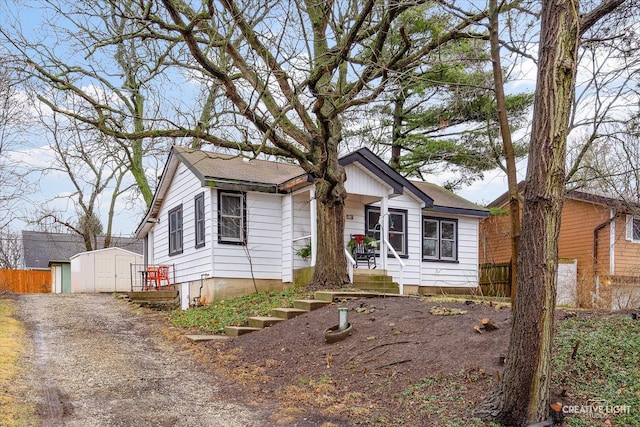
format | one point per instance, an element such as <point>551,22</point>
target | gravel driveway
<point>95,362</point>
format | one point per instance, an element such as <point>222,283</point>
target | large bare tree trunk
<point>523,394</point>
<point>330,270</point>
<point>331,264</point>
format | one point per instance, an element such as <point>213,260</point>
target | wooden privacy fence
<point>495,279</point>
<point>25,281</point>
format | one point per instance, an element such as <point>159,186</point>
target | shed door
<point>105,272</point>
<point>123,272</point>
<point>66,278</point>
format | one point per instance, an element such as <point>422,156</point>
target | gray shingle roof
<point>239,169</point>
<point>446,201</point>
<point>40,248</point>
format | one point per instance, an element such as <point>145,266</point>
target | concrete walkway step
<point>262,322</point>
<point>236,331</point>
<point>322,299</point>
<point>287,313</point>
<point>309,304</point>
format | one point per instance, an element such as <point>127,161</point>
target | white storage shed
<point>103,270</point>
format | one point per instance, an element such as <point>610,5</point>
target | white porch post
<point>384,227</point>
<point>314,225</point>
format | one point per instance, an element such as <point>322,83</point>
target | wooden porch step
<point>152,295</point>
<point>309,304</point>
<point>261,322</point>
<point>236,331</point>
<point>287,313</point>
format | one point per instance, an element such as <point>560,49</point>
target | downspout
<point>595,242</point>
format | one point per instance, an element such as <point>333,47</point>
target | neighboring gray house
<point>228,224</point>
<point>53,251</point>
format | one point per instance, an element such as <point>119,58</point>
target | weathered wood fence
<point>25,281</point>
<point>495,279</point>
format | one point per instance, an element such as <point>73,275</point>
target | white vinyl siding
<point>363,182</point>
<point>464,272</point>
<point>262,253</point>
<point>192,262</point>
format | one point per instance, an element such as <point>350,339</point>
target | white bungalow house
<point>227,224</point>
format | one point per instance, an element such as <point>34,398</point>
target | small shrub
<point>214,317</point>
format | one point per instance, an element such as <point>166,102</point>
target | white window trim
<point>240,219</point>
<point>629,228</point>
<point>438,256</point>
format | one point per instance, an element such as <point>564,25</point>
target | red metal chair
<point>157,277</point>
<point>163,276</point>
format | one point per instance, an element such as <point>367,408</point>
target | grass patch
<point>214,317</point>
<point>444,401</point>
<point>14,411</point>
<point>605,371</point>
<point>604,378</point>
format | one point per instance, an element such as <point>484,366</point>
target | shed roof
<point>40,248</point>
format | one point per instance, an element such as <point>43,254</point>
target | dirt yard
<point>99,361</point>
<point>396,343</point>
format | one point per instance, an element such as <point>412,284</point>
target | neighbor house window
<point>633,228</point>
<point>175,230</point>
<point>199,218</point>
<point>439,239</point>
<point>397,233</point>
<point>231,217</point>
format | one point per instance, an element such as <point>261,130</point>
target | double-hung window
<point>199,220</point>
<point>231,217</point>
<point>175,230</point>
<point>397,233</point>
<point>439,239</point>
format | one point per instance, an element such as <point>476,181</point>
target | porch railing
<point>351,262</point>
<point>400,262</point>
<point>151,277</point>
